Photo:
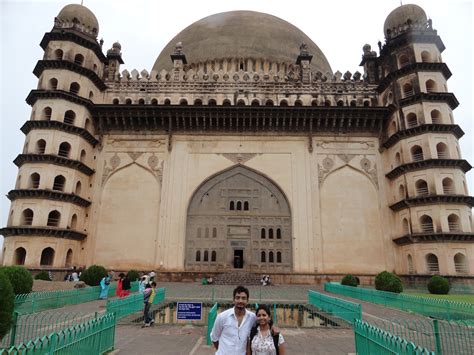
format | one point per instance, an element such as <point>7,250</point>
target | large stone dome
<point>402,14</point>
<point>85,16</point>
<point>242,34</point>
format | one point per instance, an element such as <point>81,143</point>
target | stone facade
<point>243,160</point>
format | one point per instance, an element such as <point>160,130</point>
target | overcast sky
<point>339,28</point>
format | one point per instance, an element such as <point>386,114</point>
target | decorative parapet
<point>429,164</point>
<point>33,231</point>
<point>433,199</point>
<point>59,35</point>
<point>48,195</point>
<point>53,159</point>
<point>451,237</point>
<point>60,126</point>
<point>41,65</point>
<point>422,129</point>
<point>447,97</point>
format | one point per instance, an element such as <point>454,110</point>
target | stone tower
<point>427,186</point>
<point>49,210</point>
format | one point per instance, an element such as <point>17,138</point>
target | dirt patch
<point>41,285</point>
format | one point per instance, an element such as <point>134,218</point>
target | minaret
<point>426,183</point>
<point>49,210</point>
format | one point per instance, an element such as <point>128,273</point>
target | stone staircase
<point>237,278</point>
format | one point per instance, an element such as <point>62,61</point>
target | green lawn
<point>459,298</point>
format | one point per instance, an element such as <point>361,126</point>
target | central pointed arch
<point>237,240</point>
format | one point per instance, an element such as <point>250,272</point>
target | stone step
<point>237,278</point>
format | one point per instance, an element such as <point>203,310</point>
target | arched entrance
<point>235,221</point>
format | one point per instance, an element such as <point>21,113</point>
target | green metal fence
<point>340,308</point>
<point>95,336</point>
<point>372,340</point>
<point>211,318</point>
<point>442,337</point>
<point>39,301</point>
<point>36,325</point>
<point>437,308</point>
<point>125,306</point>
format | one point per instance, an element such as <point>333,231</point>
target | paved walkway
<point>175,339</point>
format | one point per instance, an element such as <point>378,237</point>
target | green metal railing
<point>211,318</point>
<point>123,307</point>
<point>443,337</point>
<point>372,340</point>
<point>39,301</point>
<point>95,336</point>
<point>343,309</point>
<point>36,325</point>
<point>437,308</point>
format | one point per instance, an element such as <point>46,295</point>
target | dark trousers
<point>146,313</point>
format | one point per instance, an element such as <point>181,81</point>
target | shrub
<point>42,275</point>
<point>387,281</point>
<point>133,275</point>
<point>20,278</point>
<point>438,285</point>
<point>93,274</point>
<point>349,280</point>
<point>7,298</point>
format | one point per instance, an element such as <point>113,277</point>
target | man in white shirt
<point>232,327</point>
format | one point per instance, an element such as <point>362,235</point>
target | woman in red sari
<point>118,290</point>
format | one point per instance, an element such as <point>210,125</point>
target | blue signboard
<point>189,310</point>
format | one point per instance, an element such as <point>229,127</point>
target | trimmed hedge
<point>42,275</point>
<point>7,298</point>
<point>93,274</point>
<point>20,278</point>
<point>438,285</point>
<point>133,275</point>
<point>387,281</point>
<point>350,280</point>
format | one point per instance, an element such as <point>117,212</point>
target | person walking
<point>148,298</point>
<point>232,327</point>
<point>126,286</point>
<point>141,285</point>
<point>263,340</point>
<point>104,286</point>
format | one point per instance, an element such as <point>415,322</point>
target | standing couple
<point>238,331</point>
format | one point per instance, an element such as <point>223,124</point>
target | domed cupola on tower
<point>77,18</point>
<point>402,17</point>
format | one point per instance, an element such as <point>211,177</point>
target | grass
<point>458,298</point>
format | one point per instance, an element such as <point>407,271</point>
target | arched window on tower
<point>269,103</point>
<point>436,117</point>
<point>412,120</point>
<point>40,146</point>
<point>246,205</point>
<point>47,257</point>
<point>263,233</point>
<point>87,125</point>
<point>421,188</point>
<point>183,102</point>
<point>432,265</point>
<point>232,205</point>
<point>59,182</point>
<point>34,181</point>
<point>154,101</point>
<point>278,256</point>
<point>417,153</point>
<point>54,217</point>
<point>226,102</point>
<point>460,263</point>
<point>403,60</point>
<point>284,103</point>
<point>83,156</point>
<point>263,257</point>
<point>255,102</point>
<point>454,223</point>
<point>74,88</point>
<point>27,217</point>
<point>408,90</point>
<point>74,221</point>
<point>115,101</point>
<point>442,151</point>
<point>314,103</point>
<point>198,102</point>
<point>68,262</point>
<point>58,54</point>
<point>198,255</point>
<point>53,84</point>
<point>64,149</point>
<point>206,255</point>
<point>78,189</point>
<point>213,256</point>
<point>431,86</point>
<point>411,270</point>
<point>19,256</point>
<point>298,103</point>
<point>239,206</point>
<point>426,224</point>
<point>448,186</point>
<point>69,117</point>
<point>405,226</point>
<point>211,102</point>
<point>425,57</point>
<point>47,111</point>
<point>270,233</point>
<point>240,102</point>
<point>270,257</point>
<point>79,59</point>
<point>401,192</point>
<point>278,233</point>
